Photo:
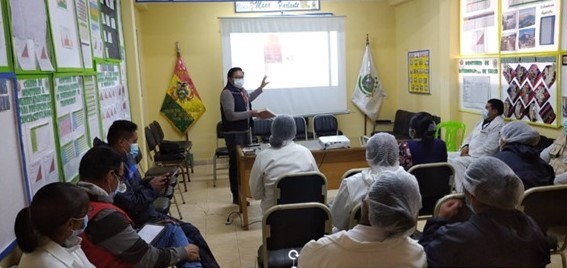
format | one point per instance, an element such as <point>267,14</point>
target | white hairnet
<point>493,183</point>
<point>394,202</point>
<point>283,129</point>
<point>382,150</point>
<point>519,131</point>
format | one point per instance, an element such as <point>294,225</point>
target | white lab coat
<point>351,192</point>
<point>482,142</point>
<point>361,247</point>
<point>51,254</point>
<point>272,163</point>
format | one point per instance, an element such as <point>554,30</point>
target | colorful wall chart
<point>71,123</point>
<point>529,88</point>
<point>91,106</point>
<point>479,27</point>
<point>96,31</point>
<point>478,82</point>
<point>84,35</point>
<point>38,138</point>
<point>418,72</point>
<point>30,36</point>
<point>4,63</point>
<point>113,97</point>
<point>65,34</point>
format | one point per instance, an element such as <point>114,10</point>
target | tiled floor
<point>208,207</point>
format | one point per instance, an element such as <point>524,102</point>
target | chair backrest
<point>292,226</point>
<point>354,215</point>
<point>402,123</point>
<point>434,181</point>
<point>262,128</point>
<point>158,130</point>
<point>351,172</point>
<point>301,187</point>
<point>155,132</point>
<point>301,128</point>
<point>547,205</point>
<point>325,125</point>
<point>460,196</point>
<point>220,132</point>
<point>454,133</point>
<point>150,139</point>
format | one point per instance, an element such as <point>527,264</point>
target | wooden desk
<point>333,163</point>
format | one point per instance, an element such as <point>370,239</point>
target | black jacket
<point>526,163</point>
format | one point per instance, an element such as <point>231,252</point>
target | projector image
<point>334,142</point>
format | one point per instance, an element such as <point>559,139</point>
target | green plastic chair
<point>454,132</point>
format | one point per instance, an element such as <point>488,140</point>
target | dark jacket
<point>526,163</point>
<point>492,238</point>
<point>240,105</point>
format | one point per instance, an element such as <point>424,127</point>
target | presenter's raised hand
<point>264,82</point>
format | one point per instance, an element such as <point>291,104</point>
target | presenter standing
<point>236,112</point>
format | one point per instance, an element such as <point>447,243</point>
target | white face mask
<point>239,82</point>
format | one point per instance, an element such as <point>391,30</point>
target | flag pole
<point>178,50</point>
<point>366,117</point>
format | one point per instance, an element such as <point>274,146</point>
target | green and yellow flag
<point>182,104</point>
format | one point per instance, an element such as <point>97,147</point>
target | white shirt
<point>51,254</point>
<point>272,163</point>
<point>485,141</point>
<point>361,247</point>
<point>351,192</point>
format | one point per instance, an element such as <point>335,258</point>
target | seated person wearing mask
<point>381,154</point>
<point>423,147</point>
<point>556,156</point>
<point>496,235</point>
<point>110,240</point>
<point>47,231</point>
<point>282,157</point>
<point>137,200</point>
<point>482,141</point>
<point>518,151</point>
<point>381,239</point>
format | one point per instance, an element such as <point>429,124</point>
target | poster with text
<point>84,36</point>
<point>109,29</point>
<point>479,27</point>
<point>91,105</point>
<point>29,35</point>
<point>65,35</point>
<point>529,26</point>
<point>529,89</point>
<point>38,137</point>
<point>96,32</point>
<point>113,97</point>
<point>3,46</point>
<point>478,82</point>
<point>71,123</point>
<point>419,72</point>
<point>564,86</point>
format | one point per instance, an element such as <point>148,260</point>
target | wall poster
<point>38,137</point>
<point>479,27</point>
<point>84,36</point>
<point>478,82</point>
<point>530,26</point>
<point>91,105</point>
<point>65,35</point>
<point>95,27</point>
<point>113,97</point>
<point>419,72</point>
<point>529,89</point>
<point>71,123</point>
<point>109,21</point>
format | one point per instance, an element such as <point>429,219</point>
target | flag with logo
<point>182,105</point>
<point>368,91</point>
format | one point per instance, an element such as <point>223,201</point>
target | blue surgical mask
<point>239,82</point>
<point>134,149</point>
<point>485,114</point>
<point>469,204</point>
<point>73,239</point>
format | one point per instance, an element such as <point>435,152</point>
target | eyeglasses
<point>121,188</point>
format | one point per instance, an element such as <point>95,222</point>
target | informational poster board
<point>564,85</point>
<point>110,36</point>
<point>38,137</point>
<point>479,27</point>
<point>530,26</point>
<point>30,43</point>
<point>113,97</point>
<point>63,22</point>
<point>529,89</point>
<point>82,9</point>
<point>13,196</point>
<point>5,65</point>
<point>96,29</point>
<point>91,105</point>
<point>71,122</point>
<point>478,82</point>
<point>419,77</point>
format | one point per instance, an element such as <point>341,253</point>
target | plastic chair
<point>434,181</point>
<point>354,215</point>
<point>167,146</point>
<point>301,187</point>
<point>301,129</point>
<point>454,132</point>
<point>262,129</point>
<point>290,227</point>
<point>351,172</point>
<point>220,152</point>
<point>325,125</point>
<point>547,206</point>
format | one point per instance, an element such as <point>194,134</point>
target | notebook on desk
<point>151,233</point>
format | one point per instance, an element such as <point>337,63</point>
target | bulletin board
<point>65,35</point>
<point>12,187</point>
<point>37,131</point>
<point>110,35</point>
<point>529,89</point>
<point>113,96</point>
<point>478,82</point>
<point>419,76</point>
<point>30,41</point>
<point>71,122</point>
